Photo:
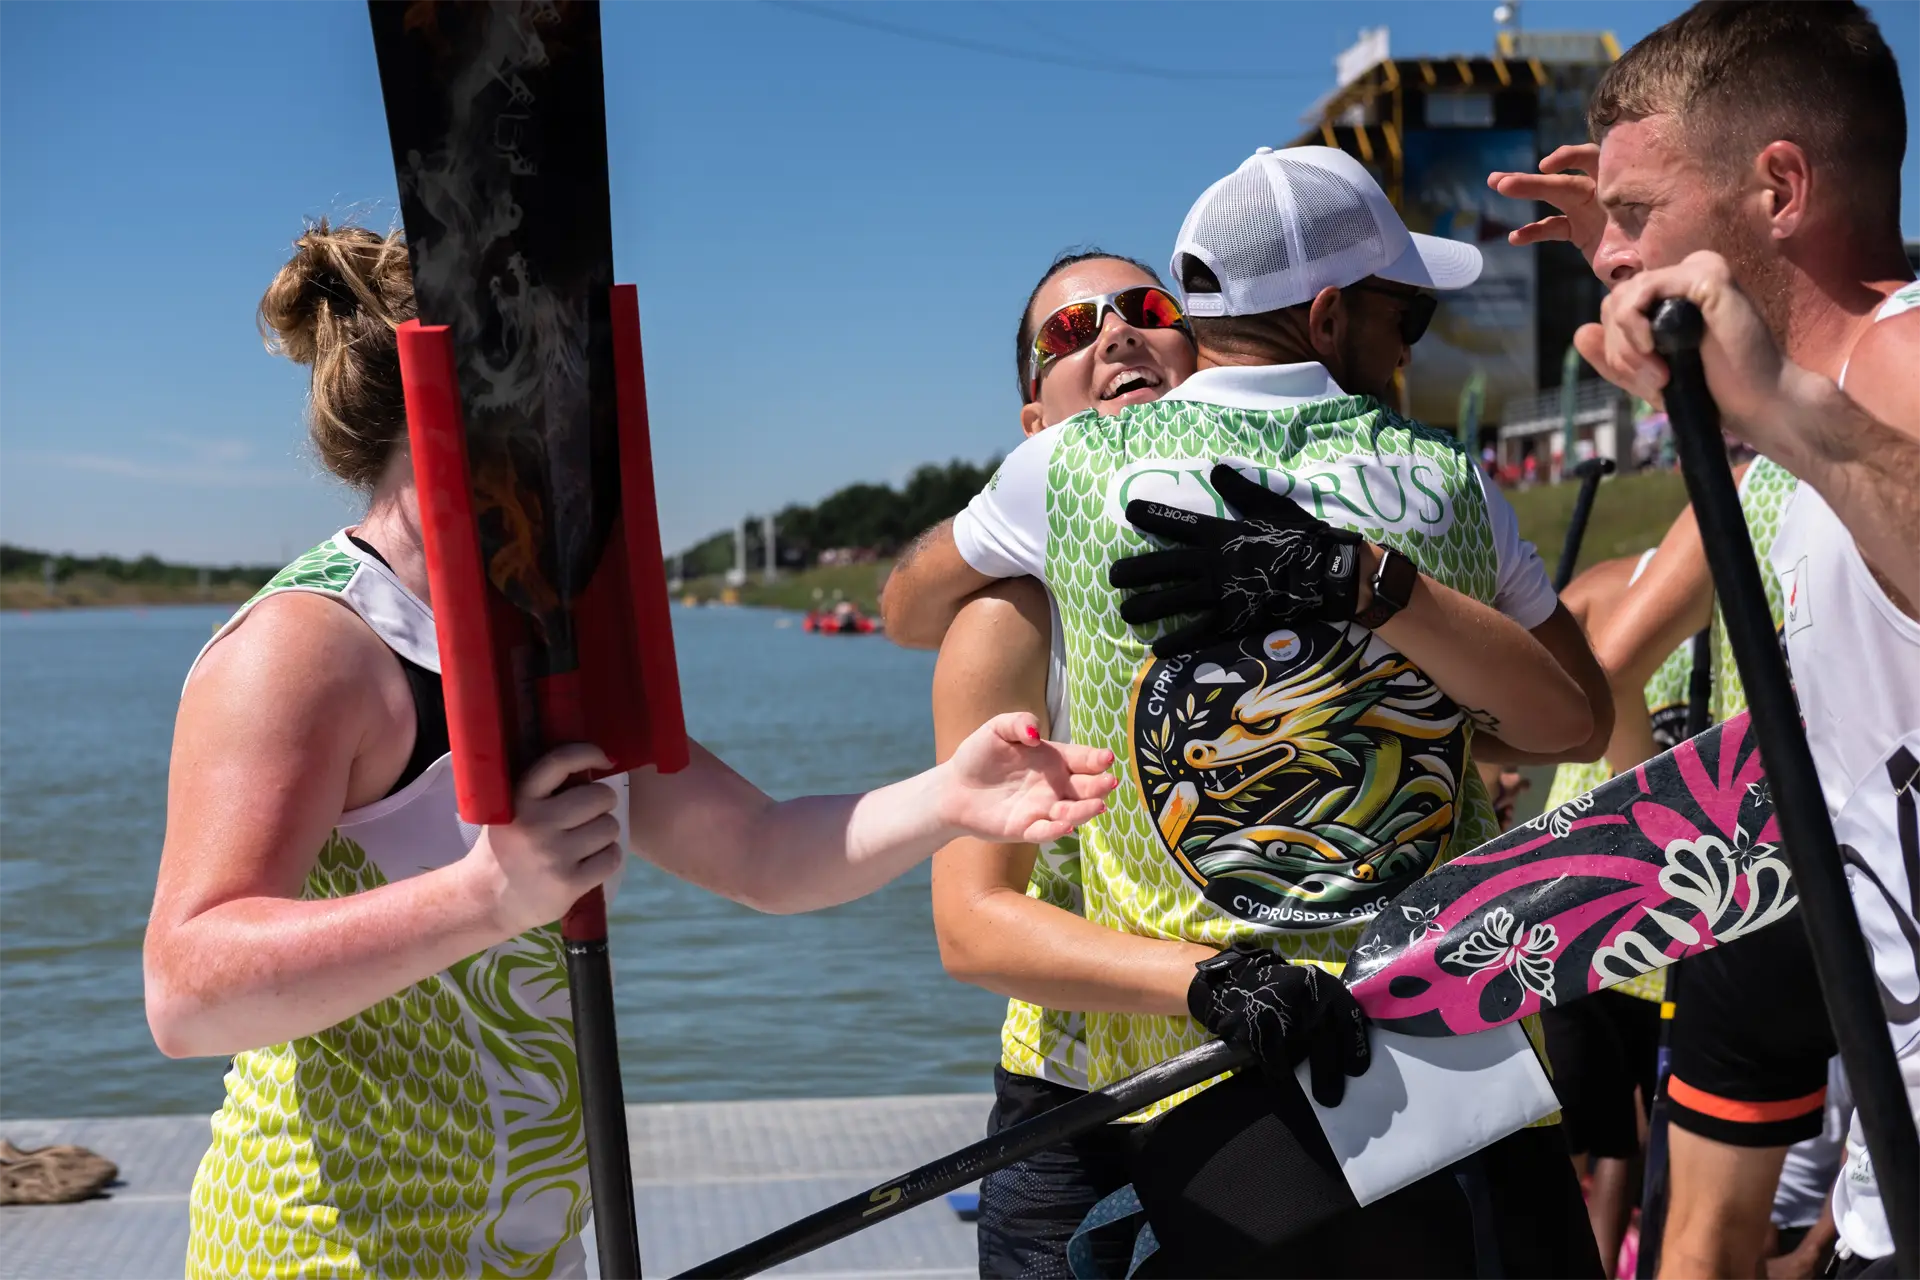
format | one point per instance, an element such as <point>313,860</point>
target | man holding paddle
<point>1748,159</point>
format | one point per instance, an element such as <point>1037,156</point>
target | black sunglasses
<point>1418,312</point>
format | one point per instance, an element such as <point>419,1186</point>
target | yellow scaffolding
<point>1375,100</point>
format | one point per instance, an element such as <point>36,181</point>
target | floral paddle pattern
<point>1650,867</point>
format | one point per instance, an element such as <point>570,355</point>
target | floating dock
<point>708,1176</point>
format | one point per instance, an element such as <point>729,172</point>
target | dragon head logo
<point>1300,778</point>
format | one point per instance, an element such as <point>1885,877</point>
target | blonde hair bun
<point>335,306</point>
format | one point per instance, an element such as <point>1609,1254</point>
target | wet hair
<point>1023,336</point>
<point>1739,74</point>
<point>334,307</point>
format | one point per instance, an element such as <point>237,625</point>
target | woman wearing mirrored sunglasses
<point>1098,332</point>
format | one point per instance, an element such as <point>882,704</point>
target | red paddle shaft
<point>564,719</point>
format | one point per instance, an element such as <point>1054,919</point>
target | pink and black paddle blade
<point>1678,856</point>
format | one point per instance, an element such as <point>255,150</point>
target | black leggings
<point>1603,1049</point>
<point>1031,1208</point>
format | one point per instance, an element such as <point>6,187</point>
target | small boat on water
<point>844,619</point>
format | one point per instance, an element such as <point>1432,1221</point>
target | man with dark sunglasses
<point>1294,700</point>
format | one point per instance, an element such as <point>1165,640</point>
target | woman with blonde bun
<point>389,980</point>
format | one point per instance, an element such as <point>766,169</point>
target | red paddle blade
<point>528,409</point>
<point>624,693</point>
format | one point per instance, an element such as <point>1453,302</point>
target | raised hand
<point>1275,564</point>
<point>1285,1013</point>
<point>1567,182</point>
<point>1749,378</point>
<point>1007,783</point>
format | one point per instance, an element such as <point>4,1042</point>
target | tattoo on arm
<point>1484,719</point>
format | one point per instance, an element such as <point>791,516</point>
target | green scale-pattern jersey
<point>1764,493</point>
<point>1279,788</point>
<point>438,1132</point>
<point>1049,1044</point>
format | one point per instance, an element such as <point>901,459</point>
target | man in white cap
<point>1295,692</point>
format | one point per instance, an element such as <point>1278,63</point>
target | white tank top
<point>1856,669</point>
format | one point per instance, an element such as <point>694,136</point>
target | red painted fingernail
<point>1033,734</point>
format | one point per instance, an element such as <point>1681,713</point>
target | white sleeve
<point>1003,531</point>
<point>1522,591</point>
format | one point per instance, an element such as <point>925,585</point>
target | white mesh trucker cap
<point>1287,224</point>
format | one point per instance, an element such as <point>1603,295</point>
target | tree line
<point>862,517</point>
<point>147,570</point>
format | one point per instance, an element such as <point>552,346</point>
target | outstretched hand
<point>1567,182</point>
<point>1006,783</point>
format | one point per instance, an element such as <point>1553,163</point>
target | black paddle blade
<point>497,117</point>
<point>1680,855</point>
<point>1083,1115</point>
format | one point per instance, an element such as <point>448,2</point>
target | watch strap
<point>1392,588</point>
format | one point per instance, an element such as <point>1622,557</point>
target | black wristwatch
<point>1392,588</point>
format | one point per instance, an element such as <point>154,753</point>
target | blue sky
<point>832,227</point>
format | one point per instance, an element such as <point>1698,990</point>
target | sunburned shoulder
<point>295,652</point>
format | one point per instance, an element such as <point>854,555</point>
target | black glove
<point>1275,564</point>
<point>1285,1013</point>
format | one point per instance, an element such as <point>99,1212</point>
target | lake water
<point>715,1001</point>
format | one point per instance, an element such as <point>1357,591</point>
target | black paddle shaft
<point>1700,683</point>
<point>1590,472</point>
<point>603,1107</point>
<point>1082,1115</point>
<point>1653,1184</point>
<point>1806,832</point>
